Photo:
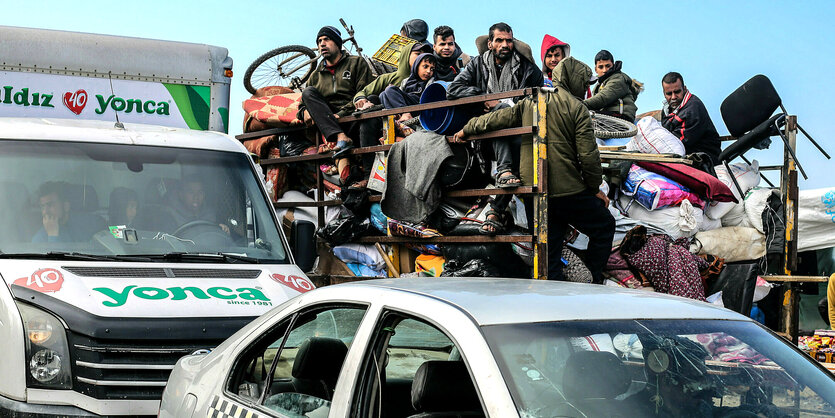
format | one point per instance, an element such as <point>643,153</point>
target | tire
<point>271,68</point>
<point>607,127</point>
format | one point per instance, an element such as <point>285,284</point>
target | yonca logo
<point>131,105</point>
<point>24,97</point>
<point>119,298</point>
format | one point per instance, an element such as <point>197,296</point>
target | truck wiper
<point>76,256</point>
<point>205,257</point>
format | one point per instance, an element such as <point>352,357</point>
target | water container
<point>444,120</point>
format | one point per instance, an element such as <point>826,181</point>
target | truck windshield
<point>128,200</point>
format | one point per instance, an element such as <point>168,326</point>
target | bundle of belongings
<point>683,229</point>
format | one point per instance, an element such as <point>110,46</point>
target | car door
<point>293,368</point>
<point>412,367</point>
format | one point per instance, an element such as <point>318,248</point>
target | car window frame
<point>289,320</point>
<point>358,398</point>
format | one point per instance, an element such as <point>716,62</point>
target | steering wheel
<point>204,231</point>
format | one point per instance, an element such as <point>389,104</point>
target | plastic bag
<point>293,145</point>
<point>654,191</point>
<point>473,268</point>
<point>816,219</point>
<point>344,229</point>
<point>736,282</point>
<point>652,138</point>
<point>377,177</point>
<point>378,219</point>
<point>676,221</point>
<point>364,254</point>
<point>747,176</point>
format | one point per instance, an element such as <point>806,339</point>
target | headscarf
<point>549,42</point>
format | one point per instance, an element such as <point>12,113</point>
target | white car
<point>497,348</point>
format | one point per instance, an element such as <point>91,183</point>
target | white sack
<point>676,221</point>
<point>733,243</point>
<point>652,138</point>
<point>748,212</point>
<point>710,224</point>
<point>816,219</point>
<point>755,203</point>
<point>746,175</point>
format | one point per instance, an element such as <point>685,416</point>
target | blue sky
<point>716,45</point>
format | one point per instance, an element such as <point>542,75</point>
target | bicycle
<point>292,65</point>
<point>608,127</point>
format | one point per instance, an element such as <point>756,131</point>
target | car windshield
<point>649,368</point>
<point>129,201</point>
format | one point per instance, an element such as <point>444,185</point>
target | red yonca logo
<point>75,102</point>
<point>299,284</point>
<point>43,280</point>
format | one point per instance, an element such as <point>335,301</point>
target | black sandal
<point>506,182</point>
<point>497,225</point>
<point>342,148</point>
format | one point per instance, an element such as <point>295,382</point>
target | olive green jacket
<point>573,75</point>
<point>573,158</point>
<point>609,90</point>
<point>389,79</point>
<point>350,75</point>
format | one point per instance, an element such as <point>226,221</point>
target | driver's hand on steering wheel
<point>224,227</point>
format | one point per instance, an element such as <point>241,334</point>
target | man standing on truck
<point>329,95</point>
<point>574,172</point>
<point>501,68</point>
<point>59,223</point>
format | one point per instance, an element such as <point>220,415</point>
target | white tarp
<point>816,219</point>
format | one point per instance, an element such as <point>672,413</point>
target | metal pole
<point>540,181</point>
<point>788,189</point>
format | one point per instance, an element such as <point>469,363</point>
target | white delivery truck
<point>123,246</point>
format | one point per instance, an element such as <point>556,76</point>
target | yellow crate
<point>390,52</point>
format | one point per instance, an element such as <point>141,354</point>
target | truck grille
<point>162,272</point>
<point>126,369</point>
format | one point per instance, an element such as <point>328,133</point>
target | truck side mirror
<point>303,243</point>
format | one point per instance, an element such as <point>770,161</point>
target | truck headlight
<point>47,352</point>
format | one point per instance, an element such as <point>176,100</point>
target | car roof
<point>105,132</point>
<point>492,301</point>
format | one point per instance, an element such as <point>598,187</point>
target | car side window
<point>293,368</point>
<point>304,374</point>
<point>412,367</point>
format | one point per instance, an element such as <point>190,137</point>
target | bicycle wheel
<point>279,67</point>
<point>606,127</point>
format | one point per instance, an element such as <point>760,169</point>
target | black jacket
<point>692,125</point>
<point>473,79</point>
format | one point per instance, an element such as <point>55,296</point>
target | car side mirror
<point>303,243</point>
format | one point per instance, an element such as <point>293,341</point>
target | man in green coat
<point>574,170</point>
<point>614,94</point>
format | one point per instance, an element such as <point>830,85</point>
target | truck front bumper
<point>13,409</point>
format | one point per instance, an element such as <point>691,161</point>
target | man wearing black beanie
<point>329,94</point>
